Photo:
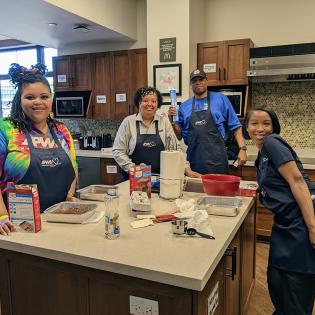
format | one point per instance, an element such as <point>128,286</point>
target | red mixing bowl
<point>220,184</point>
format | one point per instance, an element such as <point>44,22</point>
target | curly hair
<point>143,91</point>
<point>21,77</point>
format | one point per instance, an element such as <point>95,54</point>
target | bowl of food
<point>220,184</point>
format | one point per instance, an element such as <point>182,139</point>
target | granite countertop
<point>151,253</point>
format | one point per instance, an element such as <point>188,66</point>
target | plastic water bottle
<point>112,228</point>
<point>174,103</point>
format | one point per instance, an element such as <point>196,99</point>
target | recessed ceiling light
<point>52,24</point>
<point>84,28</point>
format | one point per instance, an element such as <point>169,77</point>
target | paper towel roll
<point>170,188</point>
<point>172,165</point>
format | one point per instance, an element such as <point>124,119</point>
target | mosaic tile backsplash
<point>294,103</point>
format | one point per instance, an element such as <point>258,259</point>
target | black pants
<point>291,293</point>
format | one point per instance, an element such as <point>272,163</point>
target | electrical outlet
<point>142,306</point>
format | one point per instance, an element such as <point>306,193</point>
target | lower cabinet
<point>32,285</point>
<point>88,171</point>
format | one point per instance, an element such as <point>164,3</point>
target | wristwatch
<point>243,148</point>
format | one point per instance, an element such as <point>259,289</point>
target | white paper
<point>101,99</point>
<point>141,223</point>
<point>121,97</point>
<point>111,169</point>
<point>61,78</point>
<point>210,67</point>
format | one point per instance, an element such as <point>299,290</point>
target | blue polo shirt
<point>222,112</point>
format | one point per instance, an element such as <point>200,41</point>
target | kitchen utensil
<point>179,226</point>
<point>220,184</point>
<point>192,231</point>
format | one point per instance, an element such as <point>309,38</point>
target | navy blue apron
<point>206,147</point>
<point>147,150</point>
<point>51,169</point>
<point>290,247</point>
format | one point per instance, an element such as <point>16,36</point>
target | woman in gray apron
<point>287,191</point>
<point>34,148</point>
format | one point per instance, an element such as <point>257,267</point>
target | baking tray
<point>70,212</point>
<point>95,192</point>
<point>220,205</point>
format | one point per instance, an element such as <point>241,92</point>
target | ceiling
<point>28,21</point>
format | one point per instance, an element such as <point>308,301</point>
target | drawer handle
<point>232,252</point>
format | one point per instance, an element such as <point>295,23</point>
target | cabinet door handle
<point>219,74</point>
<point>224,74</point>
<point>232,252</point>
<point>129,111</point>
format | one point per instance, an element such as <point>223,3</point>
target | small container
<point>112,228</point>
<point>76,144</point>
<point>179,226</point>
<point>220,184</point>
<point>174,104</point>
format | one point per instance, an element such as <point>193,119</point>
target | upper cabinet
<point>225,62</point>
<point>72,73</point>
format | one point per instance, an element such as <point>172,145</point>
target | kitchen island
<point>72,269</point>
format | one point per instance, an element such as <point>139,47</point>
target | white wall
<point>268,22</point>
<point>140,42</point>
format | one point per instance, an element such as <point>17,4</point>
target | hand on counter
<point>6,227</point>
<point>190,173</point>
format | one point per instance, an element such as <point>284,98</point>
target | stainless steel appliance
<point>236,99</point>
<point>69,106</point>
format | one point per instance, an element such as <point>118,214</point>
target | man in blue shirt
<point>204,122</point>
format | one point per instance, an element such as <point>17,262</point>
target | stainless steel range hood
<point>270,67</point>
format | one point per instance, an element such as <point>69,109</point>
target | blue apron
<point>51,169</point>
<point>147,150</point>
<point>290,247</point>
<point>206,147</point>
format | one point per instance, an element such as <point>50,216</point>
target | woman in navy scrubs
<point>287,191</point>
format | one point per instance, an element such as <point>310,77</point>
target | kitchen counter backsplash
<point>94,127</point>
<point>294,103</point>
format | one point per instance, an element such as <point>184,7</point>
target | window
<point>26,57</point>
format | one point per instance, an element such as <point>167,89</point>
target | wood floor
<point>260,303</point>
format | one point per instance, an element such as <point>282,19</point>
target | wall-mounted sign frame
<point>166,77</point>
<point>168,49</point>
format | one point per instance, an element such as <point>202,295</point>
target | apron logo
<point>50,163</point>
<point>265,159</point>
<point>150,144</point>
<point>200,122</point>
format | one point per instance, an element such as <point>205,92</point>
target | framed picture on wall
<point>166,77</point>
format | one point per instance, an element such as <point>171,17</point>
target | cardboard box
<point>140,179</point>
<point>24,207</point>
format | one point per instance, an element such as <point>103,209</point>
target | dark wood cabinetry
<point>72,73</point>
<point>110,172</point>
<point>231,60</point>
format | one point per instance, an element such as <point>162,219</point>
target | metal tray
<point>70,212</point>
<point>95,192</point>
<point>220,205</point>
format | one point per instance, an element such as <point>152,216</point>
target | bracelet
<point>244,148</point>
<point>3,217</point>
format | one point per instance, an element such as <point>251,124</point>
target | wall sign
<point>168,49</point>
<point>121,97</point>
<point>210,67</point>
<point>100,99</point>
<point>61,78</point>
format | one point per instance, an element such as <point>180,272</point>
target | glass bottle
<point>112,228</point>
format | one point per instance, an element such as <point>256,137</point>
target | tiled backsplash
<point>94,127</point>
<point>294,103</point>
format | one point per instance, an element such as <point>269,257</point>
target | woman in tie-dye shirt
<point>34,148</point>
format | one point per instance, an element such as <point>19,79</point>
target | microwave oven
<point>70,106</point>
<point>236,100</point>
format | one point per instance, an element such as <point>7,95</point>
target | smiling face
<point>36,102</point>
<point>259,126</point>
<point>148,105</point>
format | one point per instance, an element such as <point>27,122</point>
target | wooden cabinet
<point>116,76</point>
<point>229,58</point>
<point>110,172</point>
<point>72,73</point>
<point>128,73</point>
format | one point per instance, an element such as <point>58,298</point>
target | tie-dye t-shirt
<point>15,152</point>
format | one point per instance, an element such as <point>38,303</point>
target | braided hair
<point>144,91</point>
<point>20,77</point>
